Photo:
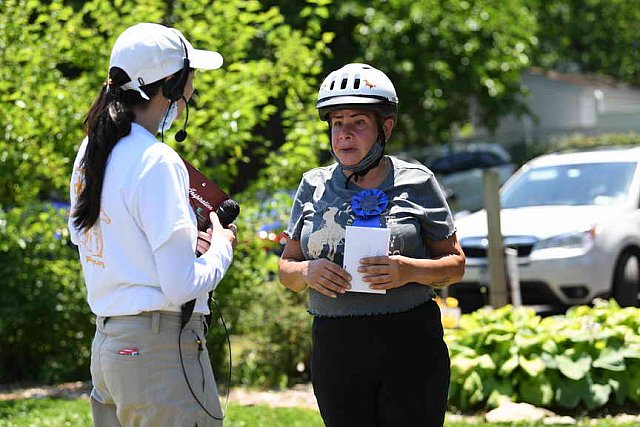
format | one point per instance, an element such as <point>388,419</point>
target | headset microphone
<point>181,135</point>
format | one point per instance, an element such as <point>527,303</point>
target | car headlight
<point>577,240</point>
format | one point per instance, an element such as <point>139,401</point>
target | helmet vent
<point>332,84</point>
<point>343,85</point>
<point>356,83</point>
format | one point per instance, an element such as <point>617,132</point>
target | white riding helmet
<point>358,86</point>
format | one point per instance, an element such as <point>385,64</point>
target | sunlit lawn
<point>76,413</point>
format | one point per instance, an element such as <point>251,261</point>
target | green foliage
<point>255,113</point>
<point>588,359</point>
<point>270,322</point>
<point>255,127</point>
<point>254,130</point>
<point>279,332</point>
<point>77,413</point>
<point>37,98</point>
<point>45,324</point>
<point>45,413</point>
<point>596,36</point>
<point>577,142</point>
<point>440,55</point>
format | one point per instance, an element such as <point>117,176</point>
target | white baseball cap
<point>149,52</point>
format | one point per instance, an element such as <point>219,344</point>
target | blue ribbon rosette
<point>368,205</point>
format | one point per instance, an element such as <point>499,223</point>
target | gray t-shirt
<point>417,211</point>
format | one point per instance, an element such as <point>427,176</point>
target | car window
<point>579,184</point>
<point>465,160</point>
<point>487,159</point>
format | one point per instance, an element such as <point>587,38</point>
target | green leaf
<point>612,360</point>
<point>633,386</point>
<point>472,389</point>
<point>574,369</point>
<point>569,393</point>
<point>598,395</point>
<point>486,362</point>
<point>462,364</point>
<point>498,338</point>
<point>533,367</point>
<point>498,391</point>
<point>618,389</point>
<point>631,351</point>
<point>537,391</point>
<point>549,361</point>
<point>507,367</point>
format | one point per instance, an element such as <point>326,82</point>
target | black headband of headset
<point>174,88</point>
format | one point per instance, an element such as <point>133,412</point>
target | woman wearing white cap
<point>379,358</point>
<point>137,238</point>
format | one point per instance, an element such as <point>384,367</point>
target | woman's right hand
<point>326,277</point>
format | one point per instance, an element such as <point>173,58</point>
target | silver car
<point>574,219</point>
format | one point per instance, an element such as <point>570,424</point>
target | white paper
<point>362,242</point>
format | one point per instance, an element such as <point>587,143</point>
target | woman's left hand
<point>383,272</point>
<point>204,241</point>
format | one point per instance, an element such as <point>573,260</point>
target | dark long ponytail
<point>108,120</point>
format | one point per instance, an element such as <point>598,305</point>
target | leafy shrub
<point>575,142</point>
<point>269,324</point>
<point>45,323</point>
<point>588,358</point>
<point>255,129</point>
<point>277,352</point>
<point>238,294</point>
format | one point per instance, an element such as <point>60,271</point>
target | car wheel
<point>626,279</point>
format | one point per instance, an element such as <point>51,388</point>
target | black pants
<point>387,370</point>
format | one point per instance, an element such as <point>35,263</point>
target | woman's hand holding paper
<point>326,277</point>
<point>383,272</point>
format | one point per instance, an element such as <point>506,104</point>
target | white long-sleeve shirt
<point>140,254</point>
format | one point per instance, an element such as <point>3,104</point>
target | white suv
<point>574,219</point>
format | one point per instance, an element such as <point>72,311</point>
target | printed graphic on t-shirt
<point>93,244</point>
<point>330,233</point>
<point>329,223</point>
<point>91,240</point>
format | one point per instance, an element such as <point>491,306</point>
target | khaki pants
<point>138,378</point>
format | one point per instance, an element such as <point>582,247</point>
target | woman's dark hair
<point>108,120</point>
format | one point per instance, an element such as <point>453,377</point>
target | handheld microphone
<point>227,212</point>
<point>181,135</point>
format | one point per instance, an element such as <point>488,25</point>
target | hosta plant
<point>588,358</point>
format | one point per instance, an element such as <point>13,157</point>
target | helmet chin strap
<point>370,161</point>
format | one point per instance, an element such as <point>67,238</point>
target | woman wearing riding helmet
<point>378,359</point>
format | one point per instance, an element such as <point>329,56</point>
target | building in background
<point>563,104</point>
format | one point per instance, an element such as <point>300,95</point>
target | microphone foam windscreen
<point>228,211</point>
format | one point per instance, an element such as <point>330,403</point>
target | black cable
<point>184,371</point>
<point>166,114</point>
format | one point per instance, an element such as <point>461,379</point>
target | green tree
<point>440,54</point>
<point>595,36</point>
<point>254,130</point>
